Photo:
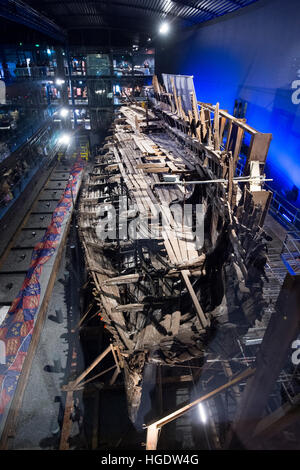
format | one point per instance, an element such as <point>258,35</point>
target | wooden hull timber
<point>163,298</point>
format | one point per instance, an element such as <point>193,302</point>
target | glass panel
<point>122,63</point>
<point>143,62</point>
<point>98,64</point>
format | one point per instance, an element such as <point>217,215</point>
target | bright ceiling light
<point>202,413</point>
<point>64,112</point>
<point>164,28</point>
<point>59,81</point>
<point>65,139</point>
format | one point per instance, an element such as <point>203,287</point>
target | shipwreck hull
<point>175,295</point>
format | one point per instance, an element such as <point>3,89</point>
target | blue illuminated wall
<point>253,55</point>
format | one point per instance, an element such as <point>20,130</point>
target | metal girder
<point>237,3</point>
<point>113,3</point>
<point>218,11</point>
<point>104,14</point>
<point>283,328</point>
<point>139,29</point>
<point>187,10</point>
<point>18,11</point>
<point>185,3</point>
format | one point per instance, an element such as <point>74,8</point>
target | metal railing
<point>284,211</point>
<point>290,253</point>
<point>36,72</point>
<point>17,189</point>
<point>289,216</point>
<point>27,128</point>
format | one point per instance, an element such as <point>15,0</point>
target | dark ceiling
<point>91,20</point>
<point>72,14</point>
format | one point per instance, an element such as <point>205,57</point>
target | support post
<point>67,423</point>
<point>152,437</point>
<point>91,367</point>
<point>282,329</point>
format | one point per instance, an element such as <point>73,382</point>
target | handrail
<point>288,214</point>
<point>32,171</point>
<point>287,255</point>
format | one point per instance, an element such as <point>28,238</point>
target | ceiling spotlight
<point>164,28</point>
<point>64,112</point>
<point>64,139</point>
<point>59,81</point>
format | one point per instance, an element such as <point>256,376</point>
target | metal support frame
<point>16,10</point>
<point>282,329</point>
<point>153,429</point>
<point>113,3</point>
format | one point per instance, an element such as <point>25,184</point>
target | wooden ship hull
<point>163,298</point>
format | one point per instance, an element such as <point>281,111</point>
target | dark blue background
<point>253,55</point>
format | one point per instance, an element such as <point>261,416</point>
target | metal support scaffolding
<point>154,428</point>
<point>282,329</point>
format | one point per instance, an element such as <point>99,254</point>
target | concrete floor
<point>41,408</point>
<point>41,411</point>
<point>275,228</point>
